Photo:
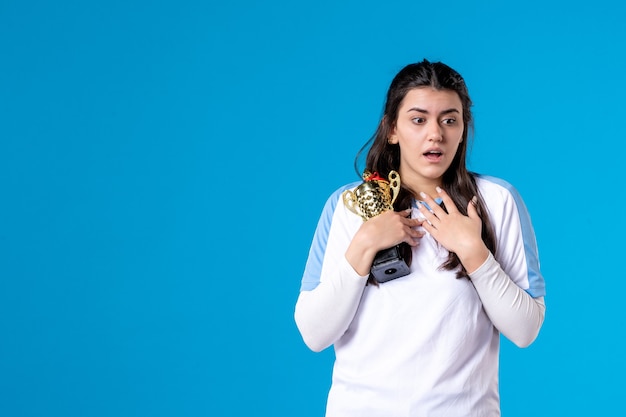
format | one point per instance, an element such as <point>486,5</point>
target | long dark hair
<point>458,182</point>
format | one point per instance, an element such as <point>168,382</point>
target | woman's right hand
<point>381,232</point>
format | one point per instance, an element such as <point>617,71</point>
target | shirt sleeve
<point>509,283</point>
<point>516,245</point>
<point>324,314</point>
<point>331,289</point>
<point>516,314</point>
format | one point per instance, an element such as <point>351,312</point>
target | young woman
<point>425,344</point>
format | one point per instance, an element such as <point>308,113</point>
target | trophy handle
<point>349,199</point>
<point>394,184</point>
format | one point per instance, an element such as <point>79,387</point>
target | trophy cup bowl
<point>373,196</point>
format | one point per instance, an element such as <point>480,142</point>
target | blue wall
<point>163,165</point>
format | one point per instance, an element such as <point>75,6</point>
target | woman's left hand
<point>454,231</point>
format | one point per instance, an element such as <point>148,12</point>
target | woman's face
<point>428,130</point>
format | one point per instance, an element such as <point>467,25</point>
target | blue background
<point>163,165</point>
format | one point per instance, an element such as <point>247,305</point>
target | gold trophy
<point>373,197</point>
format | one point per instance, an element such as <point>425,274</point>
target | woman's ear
<point>392,139</point>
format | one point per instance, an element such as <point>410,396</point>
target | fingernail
<point>438,189</point>
<point>422,194</point>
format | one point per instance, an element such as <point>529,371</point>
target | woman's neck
<point>422,186</point>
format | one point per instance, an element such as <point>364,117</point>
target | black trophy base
<point>388,264</point>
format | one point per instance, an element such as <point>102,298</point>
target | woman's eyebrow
<point>447,111</point>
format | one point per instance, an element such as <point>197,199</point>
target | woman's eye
<point>450,121</point>
<point>418,120</point>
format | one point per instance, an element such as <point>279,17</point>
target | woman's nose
<point>434,133</point>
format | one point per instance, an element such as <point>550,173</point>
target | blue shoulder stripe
<point>313,268</point>
<point>537,286</point>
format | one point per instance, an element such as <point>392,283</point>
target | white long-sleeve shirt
<point>426,343</point>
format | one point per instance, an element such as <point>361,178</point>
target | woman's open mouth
<point>433,156</point>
